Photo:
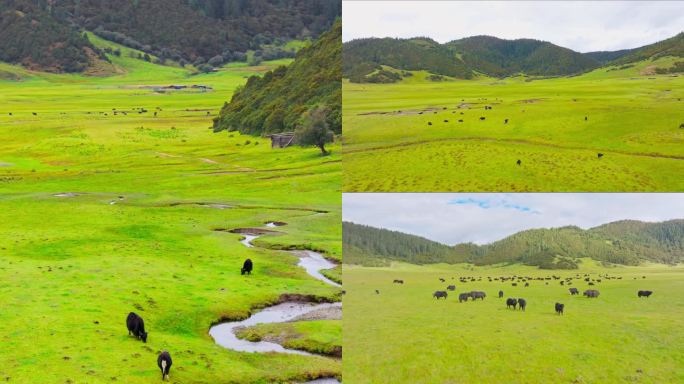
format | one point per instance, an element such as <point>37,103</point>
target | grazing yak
<point>439,294</point>
<point>136,326</point>
<point>478,295</point>
<point>527,284</point>
<point>591,293</point>
<point>644,293</point>
<point>514,284</point>
<point>377,292</point>
<point>442,279</point>
<point>451,288</point>
<point>429,122</point>
<point>511,303</point>
<point>463,297</point>
<point>500,294</point>
<point>460,120</point>
<point>247,267</point>
<point>397,281</point>
<point>574,291</point>
<point>482,118</point>
<point>518,162</point>
<point>505,121</point>
<point>522,304</point>
<point>446,121</point>
<point>599,155</point>
<point>559,308</point>
<point>164,363</point>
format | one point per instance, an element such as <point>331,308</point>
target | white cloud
<point>580,25</point>
<point>453,218</point>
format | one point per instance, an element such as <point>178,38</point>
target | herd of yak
<point>136,327</point>
<point>520,302</point>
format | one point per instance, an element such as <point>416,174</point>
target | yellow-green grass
<point>403,335</point>
<point>316,336</point>
<point>633,119</point>
<point>69,262</point>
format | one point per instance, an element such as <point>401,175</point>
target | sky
<point>579,25</point>
<point>452,218</point>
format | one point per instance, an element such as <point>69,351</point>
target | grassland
<point>105,213</point>
<point>403,335</point>
<point>633,118</point>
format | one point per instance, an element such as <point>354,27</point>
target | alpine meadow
<point>122,191</point>
<point>488,114</point>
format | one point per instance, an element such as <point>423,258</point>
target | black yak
<point>164,363</point>
<point>482,117</point>
<point>645,293</point>
<point>478,295</point>
<point>451,288</point>
<point>522,304</point>
<point>136,326</point>
<point>518,162</point>
<point>559,308</point>
<point>591,293</point>
<point>439,294</point>
<point>500,294</point>
<point>397,281</point>
<point>511,303</point>
<point>599,155</point>
<point>246,267</point>
<point>574,291</point>
<point>463,297</point>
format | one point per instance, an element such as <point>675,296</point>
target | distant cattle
<point>500,294</point>
<point>482,117</point>
<point>442,279</point>
<point>590,283</point>
<point>377,292</point>
<point>522,304</point>
<point>136,326</point>
<point>514,284</point>
<point>439,294</point>
<point>518,162</point>
<point>463,297</point>
<point>451,288</point>
<point>592,293</point>
<point>505,121</point>
<point>246,267</point>
<point>429,122</point>
<point>559,308</point>
<point>527,284</point>
<point>574,291</point>
<point>478,295</point>
<point>460,120</point>
<point>599,155</point>
<point>586,118</point>
<point>164,363</point>
<point>644,293</point>
<point>446,121</point>
<point>511,303</point>
<point>397,281</point>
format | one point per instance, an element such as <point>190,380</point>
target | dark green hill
<point>500,58</point>
<point>604,57</point>
<point>31,36</point>
<point>622,242</point>
<point>673,46</point>
<point>363,58</point>
<point>47,34</point>
<point>276,101</point>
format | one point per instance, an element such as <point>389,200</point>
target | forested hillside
<point>30,36</point>
<point>500,58</point>
<point>276,101</point>
<point>622,242</point>
<point>47,34</point>
<point>363,59</point>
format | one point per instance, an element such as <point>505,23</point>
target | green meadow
<point>404,335</point>
<point>104,213</point>
<point>633,119</point>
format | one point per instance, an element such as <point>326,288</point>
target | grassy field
<point>403,335</point>
<point>633,118</point>
<point>105,213</point>
<point>316,336</point>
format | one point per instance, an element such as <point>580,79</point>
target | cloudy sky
<point>579,25</point>
<point>452,218</point>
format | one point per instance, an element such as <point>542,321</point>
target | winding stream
<point>224,333</point>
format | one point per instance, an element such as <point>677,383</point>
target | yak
<point>574,291</point>
<point>463,297</point>
<point>559,308</point>
<point>645,293</point>
<point>511,303</point>
<point>439,294</point>
<point>247,267</point>
<point>522,304</point>
<point>164,363</point>
<point>136,326</point>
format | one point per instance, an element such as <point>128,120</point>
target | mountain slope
<point>365,56</point>
<point>275,102</point>
<point>30,36</point>
<point>499,57</point>
<point>673,46</point>
<point>622,242</point>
